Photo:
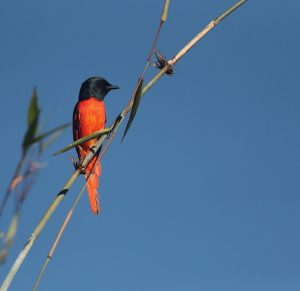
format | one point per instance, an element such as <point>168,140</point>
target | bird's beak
<point>112,87</point>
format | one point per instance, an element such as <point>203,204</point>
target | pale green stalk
<point>18,262</point>
<point>50,254</point>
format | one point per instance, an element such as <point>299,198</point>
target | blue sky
<point>204,192</point>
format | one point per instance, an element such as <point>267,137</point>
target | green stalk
<point>230,10</point>
<point>22,255</point>
<point>60,233</point>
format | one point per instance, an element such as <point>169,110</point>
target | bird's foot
<point>78,166</point>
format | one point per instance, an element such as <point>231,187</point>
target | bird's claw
<point>109,134</point>
<point>78,166</point>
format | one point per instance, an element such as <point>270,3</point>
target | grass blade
<point>80,141</point>
<point>135,106</point>
<point>32,121</point>
<point>51,132</point>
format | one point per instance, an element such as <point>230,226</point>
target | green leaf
<point>135,106</point>
<point>51,132</point>
<point>50,136</point>
<point>32,121</point>
<point>80,141</point>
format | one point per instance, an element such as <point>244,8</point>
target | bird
<point>89,115</point>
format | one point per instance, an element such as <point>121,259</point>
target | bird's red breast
<point>89,116</point>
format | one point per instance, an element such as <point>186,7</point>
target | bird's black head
<point>95,87</point>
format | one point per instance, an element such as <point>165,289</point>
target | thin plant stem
<point>58,237</point>
<point>66,221</point>
<point>23,253</point>
<point>113,127</point>
<point>11,186</point>
<point>162,21</point>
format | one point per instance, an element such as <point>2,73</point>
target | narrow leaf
<point>135,106</point>
<point>80,141</point>
<point>51,132</point>
<point>43,144</point>
<point>32,121</point>
<point>50,137</point>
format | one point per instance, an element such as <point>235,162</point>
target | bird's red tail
<point>92,177</point>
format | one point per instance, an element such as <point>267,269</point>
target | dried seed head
<point>161,63</point>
